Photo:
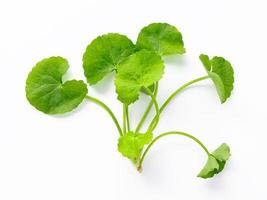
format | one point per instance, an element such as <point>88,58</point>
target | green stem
<point>103,105</point>
<point>124,125</point>
<point>171,97</point>
<point>179,90</point>
<point>127,119</point>
<point>171,133</point>
<point>141,122</point>
<point>153,98</point>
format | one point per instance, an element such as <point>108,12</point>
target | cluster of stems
<point>154,122</point>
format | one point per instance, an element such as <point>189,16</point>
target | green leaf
<point>222,154</point>
<point>205,61</point>
<point>103,55</point>
<point>131,144</point>
<point>210,169</point>
<point>221,73</point>
<point>216,162</point>
<point>46,92</point>
<point>141,69</point>
<point>162,38</point>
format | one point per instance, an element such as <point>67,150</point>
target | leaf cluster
<point>138,67</point>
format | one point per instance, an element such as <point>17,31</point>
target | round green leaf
<point>162,38</point>
<point>221,73</point>
<point>141,69</point>
<point>103,55</point>
<point>46,92</point>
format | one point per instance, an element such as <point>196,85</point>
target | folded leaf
<point>205,61</point>
<point>162,38</point>
<point>46,92</point>
<point>131,144</point>
<point>103,55</point>
<point>222,154</point>
<point>216,162</point>
<point>221,73</point>
<point>210,168</point>
<point>141,69</point>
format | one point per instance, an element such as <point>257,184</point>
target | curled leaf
<point>103,55</point>
<point>131,144</point>
<point>161,38</point>
<point>141,69</point>
<point>210,168</point>
<point>205,61</point>
<point>46,91</point>
<point>221,73</point>
<point>222,154</point>
<point>216,162</point>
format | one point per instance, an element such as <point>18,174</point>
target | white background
<point>74,157</point>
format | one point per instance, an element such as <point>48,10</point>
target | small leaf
<point>141,69</point>
<point>131,144</point>
<point>162,38</point>
<point>221,73</point>
<point>216,162</point>
<point>103,55</point>
<point>46,92</point>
